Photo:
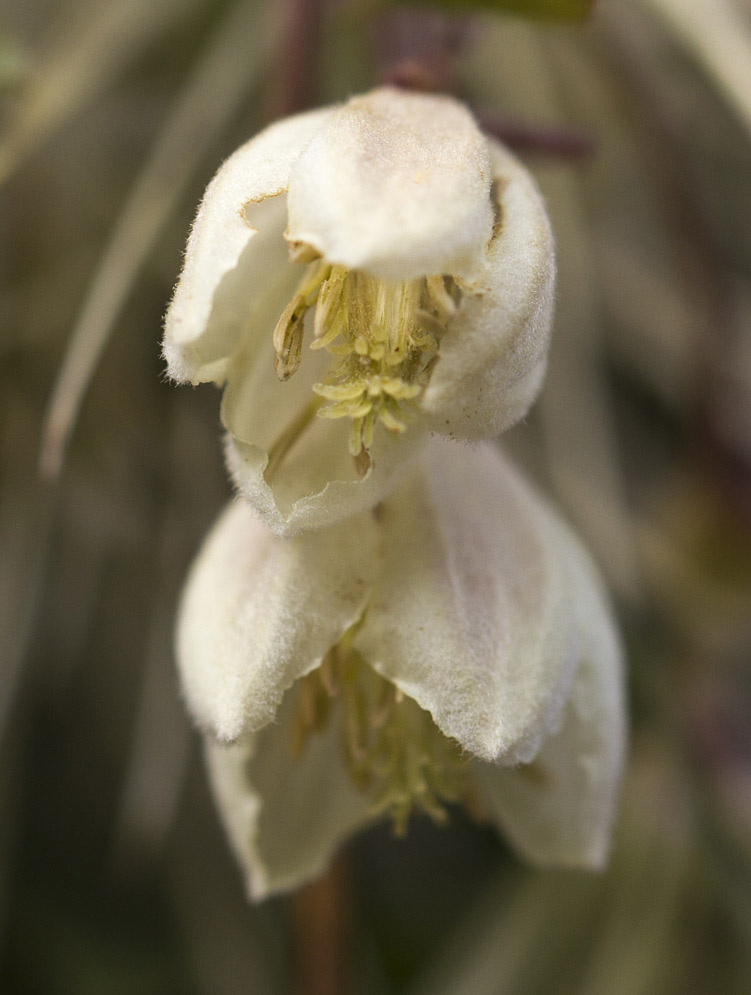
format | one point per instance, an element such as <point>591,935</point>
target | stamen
<point>288,334</point>
<point>328,306</point>
<point>301,252</point>
<point>392,423</point>
<point>391,748</point>
<point>363,461</point>
<point>288,338</point>
<point>355,434</point>
<point>385,338</point>
<point>440,296</point>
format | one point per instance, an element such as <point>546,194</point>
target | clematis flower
<point>453,644</point>
<point>360,276</point>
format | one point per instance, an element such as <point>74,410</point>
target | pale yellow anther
<point>384,335</point>
<point>338,392</point>
<point>440,297</point>
<point>391,422</point>
<point>394,359</point>
<point>368,428</point>
<point>391,748</point>
<point>301,252</point>
<point>287,338</point>
<point>356,434</point>
<point>346,409</point>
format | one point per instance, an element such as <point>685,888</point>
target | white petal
<point>560,810</point>
<point>258,612</point>
<point>471,615</point>
<point>493,356</point>
<point>285,816</point>
<point>236,252</point>
<point>397,184</point>
<point>316,484</point>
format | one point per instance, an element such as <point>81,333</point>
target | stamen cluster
<point>392,750</point>
<point>385,335</point>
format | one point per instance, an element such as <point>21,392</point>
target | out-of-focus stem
<point>419,49</point>
<point>322,935</point>
<point>560,142</point>
<point>293,88</point>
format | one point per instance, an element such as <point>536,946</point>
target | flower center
<point>384,337</point>
<point>392,749</point>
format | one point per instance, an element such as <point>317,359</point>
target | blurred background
<point>114,874</point>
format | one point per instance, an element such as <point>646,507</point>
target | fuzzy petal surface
<point>397,184</point>
<point>316,485</point>
<point>257,613</point>
<point>559,811</point>
<point>401,185</point>
<point>493,357</point>
<point>471,614</point>
<point>285,816</point>
<point>235,254</point>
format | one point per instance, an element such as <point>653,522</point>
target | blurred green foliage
<point>543,10</point>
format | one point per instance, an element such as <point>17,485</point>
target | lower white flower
<point>451,645</point>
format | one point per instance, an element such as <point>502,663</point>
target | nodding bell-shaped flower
<point>451,645</point>
<point>358,277</point>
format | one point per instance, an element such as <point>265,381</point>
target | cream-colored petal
<point>285,816</point>
<point>559,811</point>
<point>397,184</point>
<point>471,616</point>
<point>317,489</point>
<point>492,359</point>
<point>236,255</point>
<point>257,613</point>
<point>316,484</point>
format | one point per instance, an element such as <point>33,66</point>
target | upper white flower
<point>411,253</point>
<point>453,643</point>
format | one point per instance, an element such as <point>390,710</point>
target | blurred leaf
<point>13,64</point>
<point>544,10</point>
<point>718,35</point>
<point>234,60</point>
<point>90,49</point>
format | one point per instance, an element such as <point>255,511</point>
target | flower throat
<point>384,336</point>
<point>392,749</point>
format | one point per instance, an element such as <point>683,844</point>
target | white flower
<point>415,258</point>
<point>451,644</point>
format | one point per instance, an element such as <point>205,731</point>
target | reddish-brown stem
<point>548,140</point>
<point>322,934</point>
<point>293,88</point>
<point>419,49</point>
